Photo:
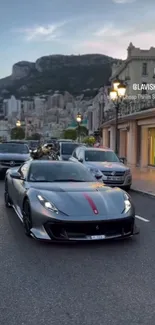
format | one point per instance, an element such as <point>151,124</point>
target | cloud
<point>113,41</point>
<point>108,30</point>
<point>123,1</point>
<point>42,33</point>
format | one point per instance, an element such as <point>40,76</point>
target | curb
<point>142,192</point>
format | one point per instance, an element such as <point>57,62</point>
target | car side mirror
<point>16,175</point>
<point>80,160</point>
<point>123,160</point>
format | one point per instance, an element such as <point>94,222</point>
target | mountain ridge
<point>73,73</point>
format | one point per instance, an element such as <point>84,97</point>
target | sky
<point>33,28</point>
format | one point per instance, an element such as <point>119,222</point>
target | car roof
<point>97,149</point>
<point>69,142</point>
<point>15,142</point>
<point>39,162</point>
<point>65,140</point>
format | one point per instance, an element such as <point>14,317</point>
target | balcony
<point>128,108</point>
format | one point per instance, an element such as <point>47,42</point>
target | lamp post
<point>18,123</point>
<point>117,93</point>
<point>78,120</point>
<point>101,108</point>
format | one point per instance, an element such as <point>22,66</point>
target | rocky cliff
<point>22,70</point>
<point>74,73</point>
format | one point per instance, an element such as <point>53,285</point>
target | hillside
<point>73,73</point>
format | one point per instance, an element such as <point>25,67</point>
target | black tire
<point>7,199</point>
<point>127,188</point>
<point>27,220</point>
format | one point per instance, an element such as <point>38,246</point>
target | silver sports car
<point>61,201</point>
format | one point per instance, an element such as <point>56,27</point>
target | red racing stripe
<point>92,204</point>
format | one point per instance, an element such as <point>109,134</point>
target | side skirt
<point>18,212</point>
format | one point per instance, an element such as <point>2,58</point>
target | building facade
<point>136,133</point>
<point>136,122</point>
<point>138,68</point>
<point>95,112</point>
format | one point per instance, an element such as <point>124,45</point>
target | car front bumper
<point>125,182</point>
<point>64,231</point>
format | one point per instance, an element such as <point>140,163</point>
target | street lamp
<point>117,93</point>
<point>101,110</point>
<point>18,123</point>
<point>78,120</point>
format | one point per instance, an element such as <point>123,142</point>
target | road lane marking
<point>142,219</point>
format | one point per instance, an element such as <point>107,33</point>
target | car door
<point>20,185</point>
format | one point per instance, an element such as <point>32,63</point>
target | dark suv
<point>66,149</point>
<point>13,154</point>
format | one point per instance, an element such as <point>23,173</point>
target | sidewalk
<point>143,181</point>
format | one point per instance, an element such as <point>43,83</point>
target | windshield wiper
<point>41,181</point>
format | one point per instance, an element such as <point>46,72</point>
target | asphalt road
<point>98,283</point>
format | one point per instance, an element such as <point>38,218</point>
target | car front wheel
<point>27,221</point>
<point>7,199</point>
<point>127,188</point>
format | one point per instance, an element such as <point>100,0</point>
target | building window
<point>144,69</point>
<point>144,90</point>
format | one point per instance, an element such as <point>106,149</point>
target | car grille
<point>7,163</point>
<point>109,173</point>
<point>80,230</point>
<point>116,179</point>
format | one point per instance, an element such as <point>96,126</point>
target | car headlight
<point>46,204</point>
<point>127,203</point>
<point>128,172</point>
<point>95,172</point>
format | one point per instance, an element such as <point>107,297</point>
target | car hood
<point>14,156</point>
<point>106,166</point>
<point>83,199</point>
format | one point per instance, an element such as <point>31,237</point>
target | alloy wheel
<point>27,222</point>
<point>6,197</point>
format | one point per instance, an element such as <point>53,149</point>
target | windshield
<point>33,144</point>
<point>98,155</point>
<point>57,171</point>
<point>14,148</point>
<point>68,148</point>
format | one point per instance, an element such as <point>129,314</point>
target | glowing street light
<point>78,120</point>
<point>117,93</point>
<point>18,123</point>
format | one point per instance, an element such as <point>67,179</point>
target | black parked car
<point>66,149</point>
<point>13,154</point>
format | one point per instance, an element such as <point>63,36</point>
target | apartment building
<point>136,123</point>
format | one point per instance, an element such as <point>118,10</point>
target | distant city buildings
<point>46,115</point>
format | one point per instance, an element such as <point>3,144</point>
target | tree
<point>70,134</point>
<point>89,140</point>
<point>17,133</point>
<point>83,131</point>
